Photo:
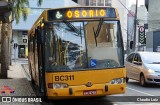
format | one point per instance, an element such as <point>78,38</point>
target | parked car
<point>143,67</point>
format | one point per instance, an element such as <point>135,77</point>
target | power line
<point>125,8</point>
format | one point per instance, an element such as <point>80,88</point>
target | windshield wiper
<point>96,33</point>
<point>71,26</point>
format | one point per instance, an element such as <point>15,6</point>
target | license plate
<point>90,92</point>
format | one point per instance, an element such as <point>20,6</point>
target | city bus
<point>77,52</point>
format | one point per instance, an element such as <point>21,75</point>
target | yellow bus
<point>77,51</point>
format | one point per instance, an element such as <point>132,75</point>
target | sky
<point>140,2</point>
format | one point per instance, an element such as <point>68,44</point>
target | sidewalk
<point>17,83</point>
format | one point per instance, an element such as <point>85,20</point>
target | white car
<point>144,67</point>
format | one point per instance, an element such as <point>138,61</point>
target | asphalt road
<point>134,89</point>
<point>134,93</point>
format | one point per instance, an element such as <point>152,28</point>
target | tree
<point>19,8</point>
<point>3,51</point>
<point>18,11</point>
<point>6,12</point>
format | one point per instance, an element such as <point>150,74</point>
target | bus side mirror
<point>131,44</point>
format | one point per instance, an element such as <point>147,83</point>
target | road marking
<point>140,91</point>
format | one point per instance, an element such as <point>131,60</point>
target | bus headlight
<point>117,81</point>
<point>57,85</point>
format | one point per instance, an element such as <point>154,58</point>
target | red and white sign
<point>90,92</point>
<point>141,29</point>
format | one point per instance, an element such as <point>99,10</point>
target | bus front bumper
<point>83,91</point>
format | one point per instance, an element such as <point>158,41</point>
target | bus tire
<point>127,79</point>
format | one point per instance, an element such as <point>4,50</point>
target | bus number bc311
<point>64,78</point>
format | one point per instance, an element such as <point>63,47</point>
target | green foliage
<point>20,8</point>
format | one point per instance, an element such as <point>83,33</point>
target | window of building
<point>101,3</point>
<point>87,2</point>
<point>107,2</point>
<point>92,2</point>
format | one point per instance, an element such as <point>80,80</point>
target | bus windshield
<point>83,45</point>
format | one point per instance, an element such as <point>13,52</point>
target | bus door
<point>31,57</point>
<point>40,50</point>
<point>36,58</point>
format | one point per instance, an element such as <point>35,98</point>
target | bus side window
<point>34,43</point>
<point>31,43</point>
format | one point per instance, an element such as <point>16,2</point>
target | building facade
<point>130,27</point>
<point>153,35</point>
<point>94,2</point>
<point>142,14</point>
<point>121,7</point>
<point>20,36</point>
<point>142,17</point>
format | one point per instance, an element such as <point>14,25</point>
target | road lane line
<point>140,91</point>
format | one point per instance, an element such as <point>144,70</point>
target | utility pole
<point>135,27</point>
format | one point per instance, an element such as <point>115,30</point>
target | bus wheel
<point>127,79</point>
<point>142,80</point>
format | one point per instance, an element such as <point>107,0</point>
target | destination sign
<point>85,13</point>
<point>77,13</point>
